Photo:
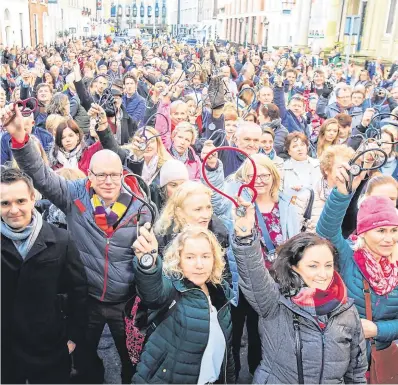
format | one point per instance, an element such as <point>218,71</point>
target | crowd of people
<point>181,194</point>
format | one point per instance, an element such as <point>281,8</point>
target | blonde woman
<point>276,220</point>
<point>193,343</point>
<point>189,205</point>
<point>16,94</point>
<point>328,135</point>
<point>182,139</point>
<point>53,121</point>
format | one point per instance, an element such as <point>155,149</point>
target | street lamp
<point>241,20</point>
<point>266,25</point>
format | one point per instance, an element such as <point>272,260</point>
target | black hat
<point>116,92</point>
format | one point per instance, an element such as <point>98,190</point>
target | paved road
<point>107,351</point>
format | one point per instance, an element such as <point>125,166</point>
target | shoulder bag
<point>383,363</point>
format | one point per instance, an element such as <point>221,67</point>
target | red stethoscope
<point>24,108</point>
<point>240,210</point>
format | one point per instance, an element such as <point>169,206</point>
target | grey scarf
<point>183,158</point>
<point>24,239</point>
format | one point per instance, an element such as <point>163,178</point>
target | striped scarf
<point>108,218</point>
<point>320,303</point>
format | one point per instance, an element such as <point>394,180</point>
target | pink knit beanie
<point>376,212</point>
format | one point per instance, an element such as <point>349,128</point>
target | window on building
<point>21,28</point>
<point>391,15</point>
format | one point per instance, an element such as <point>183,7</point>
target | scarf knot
<point>382,276</point>
<point>320,303</point>
<point>107,219</point>
<point>24,239</point>
<point>183,158</point>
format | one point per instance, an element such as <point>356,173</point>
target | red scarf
<point>319,302</point>
<point>382,276</point>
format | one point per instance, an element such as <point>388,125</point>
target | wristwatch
<point>147,260</point>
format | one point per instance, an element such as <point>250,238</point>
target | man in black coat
<point>43,290</point>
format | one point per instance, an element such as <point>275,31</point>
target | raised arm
<point>153,288</point>
<point>46,181</point>
<point>108,142</point>
<point>257,285</point>
<point>329,224</point>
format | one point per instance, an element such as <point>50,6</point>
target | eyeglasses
<point>262,177</point>
<point>101,177</point>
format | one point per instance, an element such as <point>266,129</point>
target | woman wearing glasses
<point>276,220</point>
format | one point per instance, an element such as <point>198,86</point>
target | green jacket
<point>173,352</point>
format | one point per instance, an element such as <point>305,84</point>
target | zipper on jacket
<point>107,257</point>
<point>226,347</point>
<point>323,356</point>
<point>105,268</point>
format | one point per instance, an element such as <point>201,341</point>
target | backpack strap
<point>163,314</point>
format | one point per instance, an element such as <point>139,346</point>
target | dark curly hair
<point>290,254</point>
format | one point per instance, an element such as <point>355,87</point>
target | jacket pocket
<point>157,369</point>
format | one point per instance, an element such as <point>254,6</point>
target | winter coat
<point>173,353</point>
<point>45,138</point>
<point>384,307</point>
<point>193,164</point>
<point>291,177</point>
<point>301,202</point>
<point>334,355</point>
<point>107,259</point>
<point>34,329</point>
<point>84,158</point>
<point>331,110</point>
<point>135,107</point>
<point>86,99</point>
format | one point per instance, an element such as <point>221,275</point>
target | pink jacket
<point>193,162</point>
